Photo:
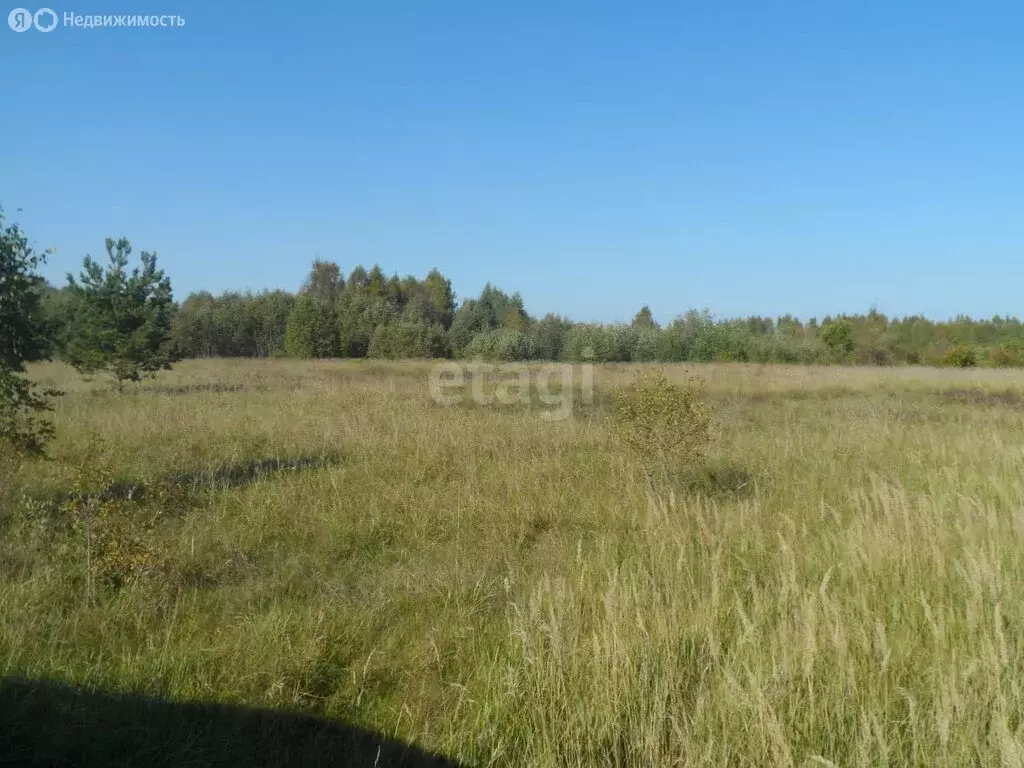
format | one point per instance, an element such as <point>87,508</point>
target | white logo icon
<point>45,20</point>
<point>22,20</point>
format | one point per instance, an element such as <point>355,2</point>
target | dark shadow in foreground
<point>53,724</point>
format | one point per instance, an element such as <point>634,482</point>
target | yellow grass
<point>841,586</point>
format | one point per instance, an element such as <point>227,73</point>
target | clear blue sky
<point>755,157</point>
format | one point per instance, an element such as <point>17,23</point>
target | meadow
<point>322,538</point>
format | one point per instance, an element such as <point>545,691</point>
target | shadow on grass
<point>53,724</point>
<point>718,481</point>
<point>190,389</point>
<point>244,473</point>
<point>145,389</point>
<point>1004,398</point>
<point>214,478</point>
<point>817,394</point>
<point>972,396</point>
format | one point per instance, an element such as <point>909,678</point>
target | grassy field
<point>323,538</point>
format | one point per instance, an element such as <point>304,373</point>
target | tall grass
<point>837,587</point>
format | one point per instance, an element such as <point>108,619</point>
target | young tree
<point>122,322</point>
<point>325,281</point>
<point>312,330</point>
<point>644,319</point>
<point>438,289</point>
<point>24,337</point>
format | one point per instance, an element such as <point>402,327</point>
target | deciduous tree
<point>25,336</point>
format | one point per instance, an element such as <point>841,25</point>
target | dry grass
<point>835,589</point>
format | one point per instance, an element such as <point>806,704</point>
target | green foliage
<point>648,347</point>
<point>266,319</point>
<point>324,282</point>
<point>232,324</point>
<point>257,325</point>
<point>493,309</point>
<point>25,335</point>
<point>58,309</point>
<point>644,319</point>
<point>1006,355</point>
<point>407,339</point>
<point>548,337</point>
<point>723,342</point>
<point>23,425</point>
<point>440,298</point>
<point>501,344</point>
<point>312,330</point>
<point>838,337</point>
<point>23,323</point>
<point>679,340</point>
<point>588,342</point>
<point>471,319</point>
<point>245,325</point>
<point>960,356</point>
<point>360,313</point>
<point>666,425</point>
<point>122,322</point>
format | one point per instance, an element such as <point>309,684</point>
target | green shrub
<point>665,425</point>
<point>837,335</point>
<point>960,356</point>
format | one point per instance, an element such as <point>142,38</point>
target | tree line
<point>370,314</point>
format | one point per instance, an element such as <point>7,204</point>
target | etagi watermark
<point>555,384</point>
<point>47,20</point>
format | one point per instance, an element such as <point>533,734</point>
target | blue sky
<point>755,157</point>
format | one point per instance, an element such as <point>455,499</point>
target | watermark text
<point>47,20</point>
<point>556,386</point>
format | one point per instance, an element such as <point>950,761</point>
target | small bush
<point>960,356</point>
<point>837,335</point>
<point>666,425</point>
<point>1005,356</point>
<point>117,529</point>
